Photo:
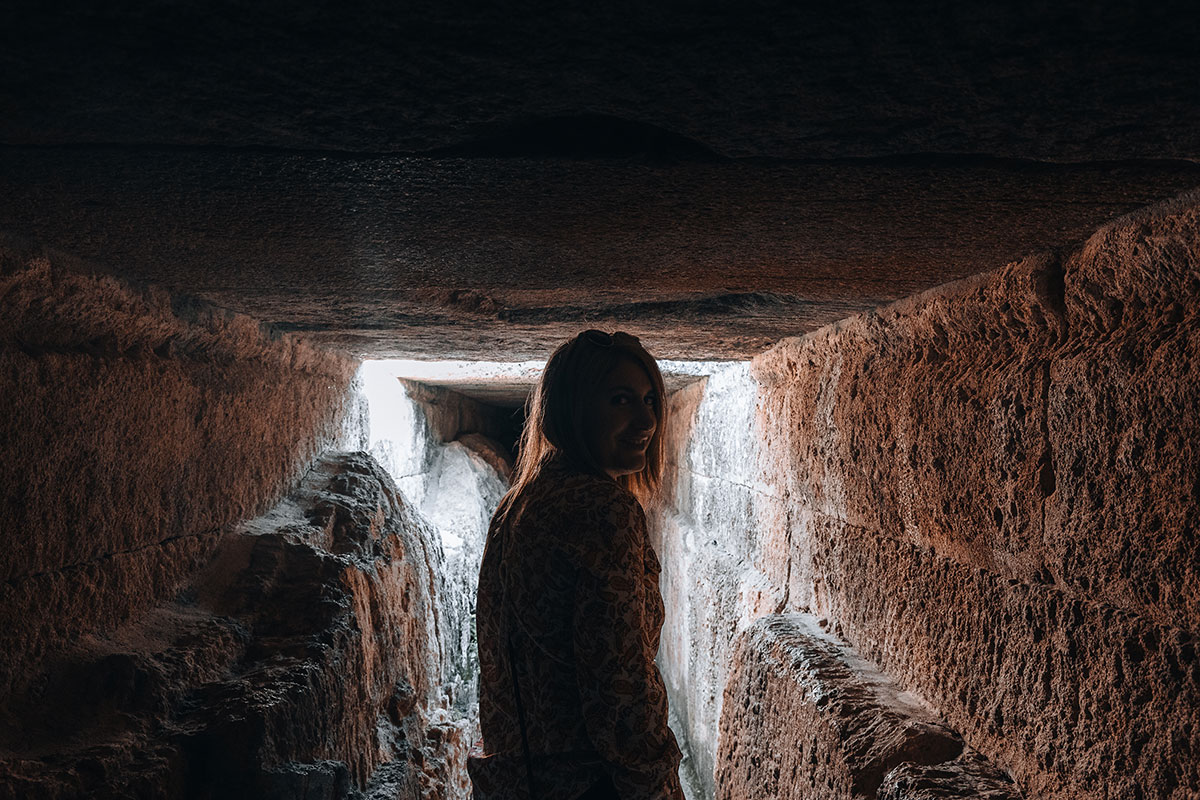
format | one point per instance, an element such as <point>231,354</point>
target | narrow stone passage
<point>924,279</point>
<point>942,549</point>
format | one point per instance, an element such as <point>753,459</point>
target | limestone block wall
<point>136,426</point>
<point>707,528</point>
<point>991,491</point>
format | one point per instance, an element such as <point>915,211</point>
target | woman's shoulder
<point>588,517</point>
<point>574,492</point>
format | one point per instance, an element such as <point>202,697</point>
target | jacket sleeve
<point>623,698</point>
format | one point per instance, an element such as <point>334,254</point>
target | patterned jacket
<point>580,575</point>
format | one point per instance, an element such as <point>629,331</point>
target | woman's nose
<point>645,421</point>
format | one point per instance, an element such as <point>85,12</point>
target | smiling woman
<point>568,610</point>
<point>621,420</point>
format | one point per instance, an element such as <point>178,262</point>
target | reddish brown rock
<point>304,660</point>
<point>989,490</point>
<point>968,776</point>
<point>1121,418</point>
<point>410,179</point>
<point>993,494</point>
<point>136,426</point>
<point>804,717</point>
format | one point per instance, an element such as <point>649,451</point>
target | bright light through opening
<point>395,429</point>
<point>444,372</point>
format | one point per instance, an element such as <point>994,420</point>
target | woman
<point>568,612</point>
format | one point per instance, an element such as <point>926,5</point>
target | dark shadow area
<point>583,136</point>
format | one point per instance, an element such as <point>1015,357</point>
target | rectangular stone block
<point>804,717</point>
<point>1074,697</point>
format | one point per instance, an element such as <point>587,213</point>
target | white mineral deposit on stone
<point>714,531</point>
<point>711,580</point>
<point>460,496</point>
<point>451,372</point>
<point>396,435</point>
<point>456,491</point>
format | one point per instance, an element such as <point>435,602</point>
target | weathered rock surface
<point>303,661</point>
<point>435,444</point>
<point>435,180</point>
<point>968,776</point>
<point>995,496</point>
<point>502,259</point>
<point>990,492</point>
<point>804,717</point>
<point>704,530</point>
<point>136,425</point>
<point>460,497</point>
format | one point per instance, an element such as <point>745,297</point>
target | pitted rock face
<point>968,776</point>
<point>803,716</point>
<point>306,655</point>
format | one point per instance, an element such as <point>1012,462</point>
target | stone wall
<point>444,451</point>
<point>990,491</point>
<point>136,427</point>
<point>302,661</point>
<point>705,530</point>
<point>441,448</point>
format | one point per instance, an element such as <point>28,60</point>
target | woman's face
<point>619,421</point>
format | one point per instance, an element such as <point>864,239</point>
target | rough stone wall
<point>136,426</point>
<point>302,661</point>
<point>990,490</point>
<point>438,446</point>
<point>706,531</point>
<point>861,737</point>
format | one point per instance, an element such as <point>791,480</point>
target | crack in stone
<point>78,565</point>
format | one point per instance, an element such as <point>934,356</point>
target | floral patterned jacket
<point>581,579</point>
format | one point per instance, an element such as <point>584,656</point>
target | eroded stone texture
<point>989,489</point>
<point>431,440</point>
<point>302,661</point>
<point>992,491</point>
<point>503,259</point>
<point>136,425</point>
<point>461,494</point>
<point>1121,413</point>
<point>804,717</point>
<point>968,776</point>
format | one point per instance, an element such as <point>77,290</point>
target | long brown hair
<point>554,422</point>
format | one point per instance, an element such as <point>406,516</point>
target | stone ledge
<point>968,776</point>
<point>804,716</point>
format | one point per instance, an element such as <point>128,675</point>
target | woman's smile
<point>622,419</point>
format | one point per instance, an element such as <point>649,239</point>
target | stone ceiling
<point>478,182</point>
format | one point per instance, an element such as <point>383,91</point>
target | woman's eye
<point>651,400</point>
<point>620,399</point>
